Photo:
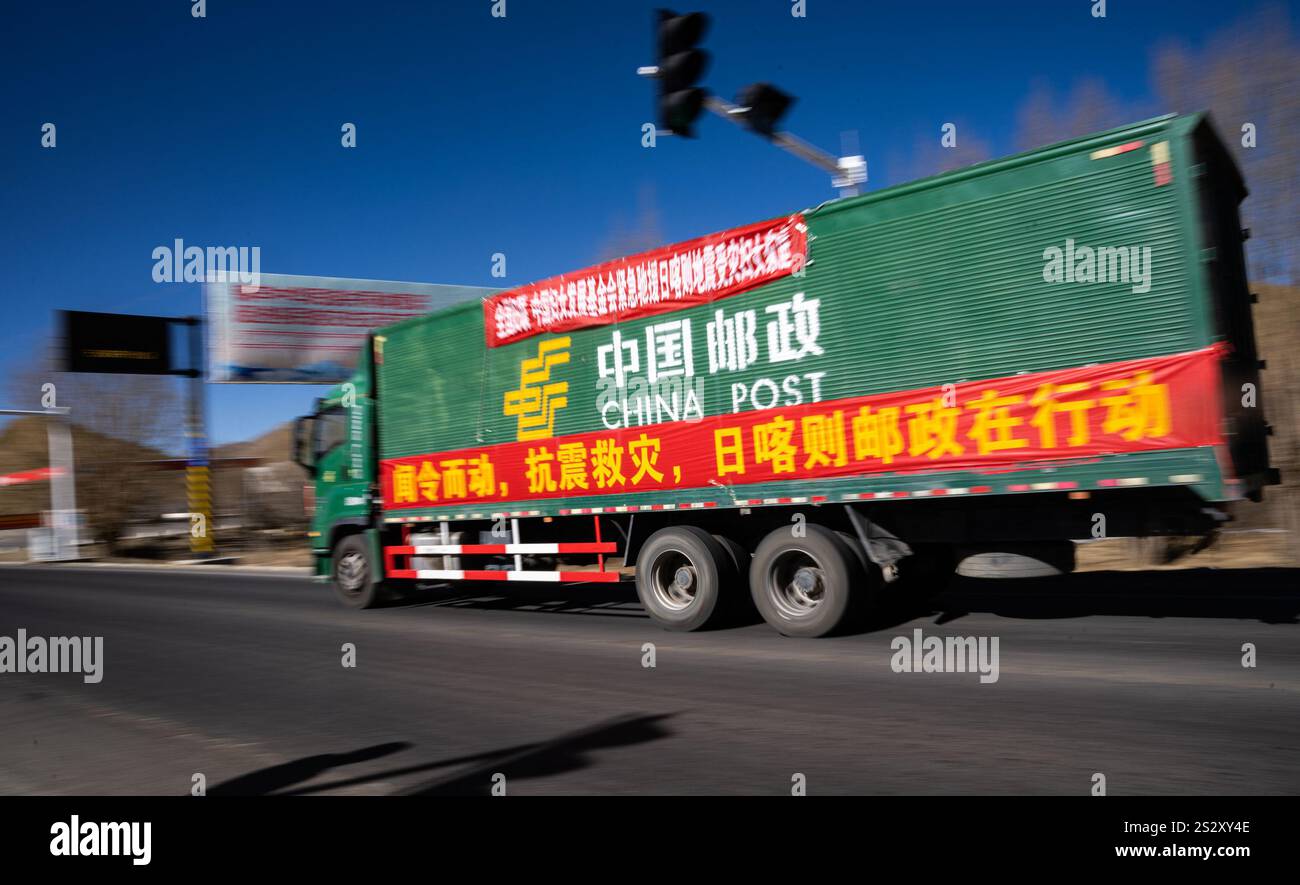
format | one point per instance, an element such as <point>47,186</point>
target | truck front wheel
<point>354,574</point>
<point>679,576</point>
<point>802,586</point>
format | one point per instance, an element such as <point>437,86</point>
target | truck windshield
<point>331,429</point>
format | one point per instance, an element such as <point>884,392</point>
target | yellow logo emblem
<point>538,398</point>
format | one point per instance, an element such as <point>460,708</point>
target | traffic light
<point>761,107</point>
<point>681,64</point>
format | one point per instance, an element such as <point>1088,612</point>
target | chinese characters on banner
<point>1140,405</point>
<point>671,278</point>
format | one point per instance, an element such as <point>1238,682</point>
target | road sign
<point>308,330</point>
<point>116,343</point>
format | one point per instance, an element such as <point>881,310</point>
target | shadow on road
<point>277,777</point>
<point>566,753</point>
<point>1268,595</point>
<point>608,600</point>
<point>569,752</point>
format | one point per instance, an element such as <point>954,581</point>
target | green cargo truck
<point>809,413</point>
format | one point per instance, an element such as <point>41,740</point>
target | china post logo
<point>534,403</point>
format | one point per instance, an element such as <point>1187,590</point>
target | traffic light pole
<point>846,172</point>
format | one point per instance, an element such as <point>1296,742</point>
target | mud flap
<point>882,547</point>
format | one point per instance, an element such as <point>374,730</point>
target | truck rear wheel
<point>354,574</point>
<point>680,574</point>
<point>803,586</point>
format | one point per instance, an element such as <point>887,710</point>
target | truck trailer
<point>809,414</point>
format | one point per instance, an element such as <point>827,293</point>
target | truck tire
<point>736,598</point>
<point>738,555</point>
<point>680,574</point>
<point>354,574</point>
<point>803,586</point>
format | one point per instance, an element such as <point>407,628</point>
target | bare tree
<point>120,423</point>
<point>1248,77</point>
<point>929,154</point>
<point>1044,118</point>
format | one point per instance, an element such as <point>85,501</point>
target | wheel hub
<point>674,580</point>
<point>684,578</point>
<point>796,584</point>
<point>352,572</point>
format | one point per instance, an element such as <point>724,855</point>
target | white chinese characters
<point>649,378</point>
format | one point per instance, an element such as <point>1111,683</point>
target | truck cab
<point>335,445</point>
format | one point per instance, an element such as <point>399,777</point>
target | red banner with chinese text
<point>1167,402</point>
<point>670,278</point>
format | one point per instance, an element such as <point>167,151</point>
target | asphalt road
<point>1137,676</point>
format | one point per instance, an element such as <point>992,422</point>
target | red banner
<point>1168,402</point>
<point>677,276</point>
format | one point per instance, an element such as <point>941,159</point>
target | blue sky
<point>475,134</point>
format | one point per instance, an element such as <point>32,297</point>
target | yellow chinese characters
<point>823,441</point>
<point>729,450</point>
<point>994,427</point>
<point>1051,400</point>
<point>571,459</point>
<point>932,429</point>
<point>447,480</point>
<point>989,421</point>
<point>1136,408</point>
<point>644,453</point>
<point>607,464</point>
<point>876,434</point>
<point>573,465</point>
<point>772,444</point>
<point>539,470</point>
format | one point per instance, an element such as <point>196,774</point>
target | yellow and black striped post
<point>198,498</point>
<point>198,476</point>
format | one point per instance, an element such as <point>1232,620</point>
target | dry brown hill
<point>271,447</point>
<point>24,446</point>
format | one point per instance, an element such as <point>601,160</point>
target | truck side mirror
<point>303,453</point>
